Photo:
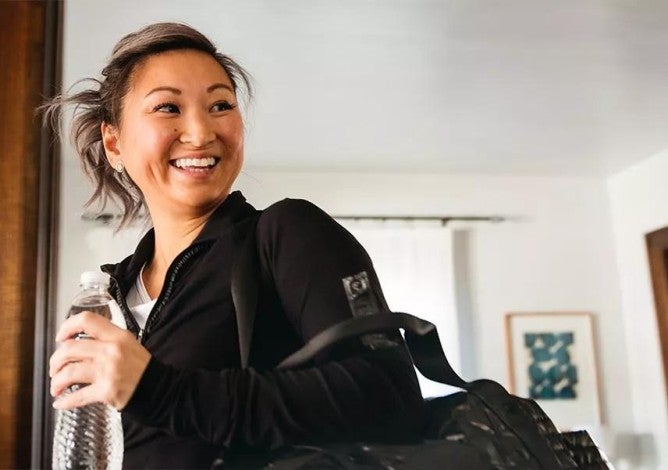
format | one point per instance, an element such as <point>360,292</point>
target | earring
<point>119,167</point>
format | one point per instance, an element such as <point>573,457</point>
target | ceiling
<point>469,86</point>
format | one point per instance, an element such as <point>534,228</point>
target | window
<point>414,262</point>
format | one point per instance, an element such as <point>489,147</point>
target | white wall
<point>554,254</point>
<point>639,202</point>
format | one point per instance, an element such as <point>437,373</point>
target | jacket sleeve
<point>353,394</point>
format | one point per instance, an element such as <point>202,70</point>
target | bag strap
<point>244,287</point>
<point>420,335</point>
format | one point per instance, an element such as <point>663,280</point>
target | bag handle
<point>420,335</point>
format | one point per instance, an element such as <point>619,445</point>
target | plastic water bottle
<point>91,436</point>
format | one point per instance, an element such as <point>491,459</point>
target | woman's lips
<point>202,163</point>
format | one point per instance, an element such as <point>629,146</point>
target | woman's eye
<point>166,108</point>
<point>222,106</point>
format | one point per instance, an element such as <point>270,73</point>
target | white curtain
<point>414,262</point>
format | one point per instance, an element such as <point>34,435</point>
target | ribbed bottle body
<point>91,436</point>
<point>88,437</point>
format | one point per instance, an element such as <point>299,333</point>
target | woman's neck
<point>173,234</point>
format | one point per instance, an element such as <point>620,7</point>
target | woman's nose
<point>197,130</point>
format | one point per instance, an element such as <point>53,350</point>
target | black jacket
<point>194,399</point>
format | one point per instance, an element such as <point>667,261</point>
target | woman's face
<point>181,134</point>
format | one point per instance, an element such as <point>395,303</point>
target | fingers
<point>83,396</point>
<point>112,363</point>
<point>91,323</point>
<point>73,373</point>
<point>73,351</point>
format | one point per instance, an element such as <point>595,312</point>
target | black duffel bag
<point>482,427</point>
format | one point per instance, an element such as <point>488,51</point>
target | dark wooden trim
<point>22,57</point>
<point>657,251</point>
<point>47,243</point>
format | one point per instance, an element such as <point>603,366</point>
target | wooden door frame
<point>29,53</point>
<point>657,251</point>
<point>47,246</point>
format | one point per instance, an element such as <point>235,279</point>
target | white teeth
<point>195,162</point>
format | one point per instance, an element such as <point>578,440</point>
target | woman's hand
<point>111,362</point>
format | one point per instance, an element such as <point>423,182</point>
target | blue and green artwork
<point>552,376</point>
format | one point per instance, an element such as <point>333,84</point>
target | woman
<point>163,129</point>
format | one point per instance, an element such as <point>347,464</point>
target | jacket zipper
<point>172,272</point>
<point>120,299</point>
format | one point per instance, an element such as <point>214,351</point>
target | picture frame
<point>552,360</point>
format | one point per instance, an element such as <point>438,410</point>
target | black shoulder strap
<point>421,337</point>
<point>244,288</point>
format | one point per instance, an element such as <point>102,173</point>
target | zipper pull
<point>140,335</point>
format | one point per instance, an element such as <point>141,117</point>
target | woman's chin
<point>186,203</point>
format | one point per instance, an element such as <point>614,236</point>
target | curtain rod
<point>107,217</point>
<point>409,218</point>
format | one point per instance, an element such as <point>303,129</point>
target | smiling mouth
<point>195,164</point>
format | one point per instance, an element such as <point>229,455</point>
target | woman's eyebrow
<point>176,91</point>
<point>215,86</point>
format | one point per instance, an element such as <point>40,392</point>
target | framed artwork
<point>552,359</point>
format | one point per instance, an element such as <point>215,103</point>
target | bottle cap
<point>94,277</point>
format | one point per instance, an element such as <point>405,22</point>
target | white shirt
<point>139,302</point>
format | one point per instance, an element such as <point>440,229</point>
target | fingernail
<point>57,405</point>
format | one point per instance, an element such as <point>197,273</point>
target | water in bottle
<point>91,436</point>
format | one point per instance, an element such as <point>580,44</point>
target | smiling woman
<point>180,136</point>
<point>134,78</point>
<point>163,129</point>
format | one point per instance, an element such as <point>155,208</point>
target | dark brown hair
<point>103,102</point>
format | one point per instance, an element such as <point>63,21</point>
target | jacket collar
<point>233,210</point>
<point>227,215</point>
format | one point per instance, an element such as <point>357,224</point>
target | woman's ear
<point>110,143</point>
